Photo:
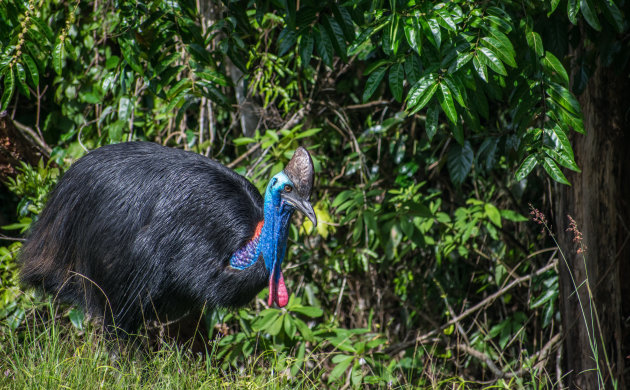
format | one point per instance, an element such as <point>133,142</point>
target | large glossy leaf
<point>367,33</point>
<point>434,26</point>
<point>336,35</point>
<point>554,171</point>
<point>396,79</point>
<point>564,98</point>
<point>324,45</point>
<point>33,71</point>
<point>535,42</point>
<point>446,101</point>
<point>58,56</point>
<point>500,50</point>
<point>306,48</point>
<point>413,68</point>
<point>286,40</point>
<point>491,59</point>
<point>460,160</point>
<point>9,87</point>
<point>563,158</point>
<point>421,92</point>
<point>431,122</point>
<point>554,67</point>
<point>613,14</point>
<point>590,13</point>
<point>21,76</point>
<point>344,18</point>
<point>526,167</point>
<point>480,67</point>
<point>373,82</point>
<point>413,35</point>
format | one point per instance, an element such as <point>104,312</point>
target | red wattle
<point>278,292</point>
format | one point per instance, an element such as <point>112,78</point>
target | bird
<point>137,231</point>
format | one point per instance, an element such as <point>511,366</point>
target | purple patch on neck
<point>249,253</point>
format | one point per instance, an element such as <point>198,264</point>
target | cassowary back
<point>136,229</point>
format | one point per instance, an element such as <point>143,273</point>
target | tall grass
<point>49,354</point>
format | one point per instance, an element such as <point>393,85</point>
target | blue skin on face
<point>272,241</point>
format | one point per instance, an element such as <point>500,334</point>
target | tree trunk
<point>598,202</point>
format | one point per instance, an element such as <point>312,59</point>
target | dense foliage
<point>427,122</point>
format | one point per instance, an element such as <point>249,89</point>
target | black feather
<point>137,231</point>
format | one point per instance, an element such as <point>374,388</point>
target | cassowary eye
<point>288,188</point>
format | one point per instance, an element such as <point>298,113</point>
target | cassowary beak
<point>301,204</point>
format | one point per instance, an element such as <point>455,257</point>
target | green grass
<point>54,355</point>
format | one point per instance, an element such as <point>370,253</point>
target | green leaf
<point>446,17</point>
<point>462,59</point>
<point>460,160</point>
<point>613,14</point>
<point>306,48</point>
<point>526,167</point>
<point>431,123</point>
<point>366,34</point>
<point>324,46</point>
<point>554,171</point>
<point>573,7</point>
<point>562,139</point>
<point>396,79</point>
<point>493,214</point>
<point>434,26</point>
<point>309,311</point>
<point>513,216</point>
<point>564,98</point>
<point>480,67</point>
<point>421,92</point>
<point>286,40</point>
<point>373,82</point>
<point>534,42</point>
<point>413,34</point>
<point>343,17</point>
<point>76,317</point>
<point>563,158</point>
<point>492,61</point>
<point>32,68</point>
<point>343,362</point>
<point>57,57</point>
<point>500,50</point>
<point>9,87</point>
<point>336,34</point>
<point>413,68</point>
<point>21,73</point>
<point>553,67</point>
<point>455,89</point>
<point>446,101</point>
<point>590,14</point>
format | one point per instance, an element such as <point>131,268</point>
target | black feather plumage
<point>137,231</point>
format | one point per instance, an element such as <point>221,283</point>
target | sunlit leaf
<point>421,93</point>
<point>554,171</point>
<point>526,167</point>
<point>446,101</point>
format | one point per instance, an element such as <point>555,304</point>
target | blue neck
<point>272,241</point>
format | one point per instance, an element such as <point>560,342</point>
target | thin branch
<point>31,134</point>
<point>394,349</point>
<point>7,238</point>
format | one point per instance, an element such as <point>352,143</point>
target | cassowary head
<point>288,190</point>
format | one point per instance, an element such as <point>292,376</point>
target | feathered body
<point>137,231</point>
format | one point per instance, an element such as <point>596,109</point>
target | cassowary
<point>137,231</point>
